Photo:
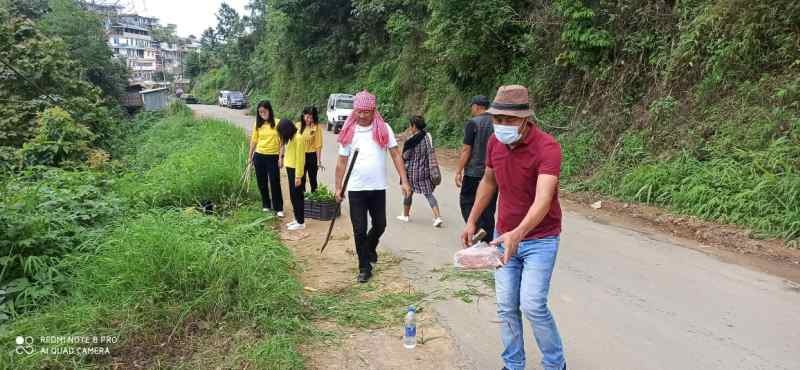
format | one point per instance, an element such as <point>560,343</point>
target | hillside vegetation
<point>693,105</point>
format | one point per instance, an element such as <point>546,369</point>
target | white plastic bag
<point>480,256</point>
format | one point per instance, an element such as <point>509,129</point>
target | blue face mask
<point>506,134</point>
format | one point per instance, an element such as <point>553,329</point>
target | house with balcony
<point>130,38</point>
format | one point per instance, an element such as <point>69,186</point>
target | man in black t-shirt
<point>472,163</point>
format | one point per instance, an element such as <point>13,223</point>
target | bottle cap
<point>411,308</point>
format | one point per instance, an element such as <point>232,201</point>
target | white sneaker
<point>280,214</point>
<point>265,209</point>
<point>297,227</point>
<point>403,218</point>
<point>437,222</point>
<point>294,222</point>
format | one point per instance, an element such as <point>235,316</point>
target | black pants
<point>312,167</point>
<point>361,202</point>
<point>469,188</point>
<point>296,196</point>
<point>267,172</point>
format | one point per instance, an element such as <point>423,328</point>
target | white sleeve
<point>392,140</point>
<point>344,150</point>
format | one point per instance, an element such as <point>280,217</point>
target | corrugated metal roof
<point>153,90</point>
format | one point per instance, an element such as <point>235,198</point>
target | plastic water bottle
<point>410,335</point>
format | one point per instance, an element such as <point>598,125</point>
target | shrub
<point>45,214</point>
<point>58,139</point>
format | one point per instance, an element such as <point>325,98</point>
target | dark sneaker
<point>364,276</point>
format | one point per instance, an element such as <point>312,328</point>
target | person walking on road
<point>524,163</point>
<point>472,161</point>
<point>266,152</point>
<point>419,158</point>
<point>295,157</point>
<point>366,131</point>
<point>312,134</point>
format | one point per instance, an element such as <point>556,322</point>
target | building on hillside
<point>130,36</point>
<point>169,58</point>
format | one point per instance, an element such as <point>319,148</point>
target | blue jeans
<point>523,284</point>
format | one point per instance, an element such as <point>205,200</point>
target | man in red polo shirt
<point>524,164</point>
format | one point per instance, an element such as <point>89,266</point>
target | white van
<point>340,106</point>
<point>222,98</point>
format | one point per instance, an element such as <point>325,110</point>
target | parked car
<point>340,106</point>
<point>188,99</point>
<point>222,98</point>
<point>237,100</point>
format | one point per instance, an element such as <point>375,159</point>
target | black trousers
<point>312,167</point>
<point>469,188</point>
<point>361,203</point>
<point>269,181</point>
<point>296,196</point>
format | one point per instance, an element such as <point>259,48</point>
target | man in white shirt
<point>366,131</point>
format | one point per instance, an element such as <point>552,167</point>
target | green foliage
<point>196,64</point>
<point>87,44</point>
<point>474,40</point>
<point>168,33</point>
<point>44,75</point>
<point>129,134</point>
<point>9,160</point>
<point>45,214</point>
<point>31,9</point>
<point>208,85</point>
<point>58,140</point>
<point>184,162</point>
<point>165,268</point>
<point>579,155</point>
<point>585,44</point>
<point>323,194</point>
<point>753,192</point>
<point>179,108</point>
<point>636,84</point>
<point>73,265</point>
<point>722,42</point>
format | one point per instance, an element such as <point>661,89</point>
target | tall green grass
<point>747,174</point>
<point>183,161</point>
<point>149,268</point>
<point>156,272</point>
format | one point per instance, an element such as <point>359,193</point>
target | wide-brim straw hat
<point>511,100</point>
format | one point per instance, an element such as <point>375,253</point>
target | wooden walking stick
<point>339,205</point>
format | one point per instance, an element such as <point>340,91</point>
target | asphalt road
<point>623,299</point>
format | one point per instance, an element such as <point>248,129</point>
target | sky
<point>191,16</point>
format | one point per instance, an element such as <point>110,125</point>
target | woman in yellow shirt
<point>265,152</point>
<point>312,134</point>
<point>294,160</point>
